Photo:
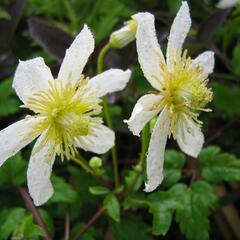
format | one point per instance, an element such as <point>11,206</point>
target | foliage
<point>184,205</point>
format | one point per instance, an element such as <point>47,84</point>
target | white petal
<point>109,81</point>
<point>206,61</point>
<point>77,56</point>
<point>16,136</point>
<point>145,109</point>
<point>39,172</point>
<point>190,138</point>
<point>150,55</point>
<point>31,76</point>
<point>227,3</point>
<point>155,157</point>
<point>178,32</point>
<point>100,141</point>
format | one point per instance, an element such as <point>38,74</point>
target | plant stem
<point>67,224</point>
<point>101,56</point>
<point>83,163</point>
<point>37,217</point>
<point>107,115</point>
<point>94,218</point>
<point>80,160</point>
<point>145,141</point>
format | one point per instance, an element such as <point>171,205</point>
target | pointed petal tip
<point>132,128</point>
<point>150,186</point>
<point>40,201</point>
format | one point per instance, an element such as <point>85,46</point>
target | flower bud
<point>95,162</point>
<point>124,35</point>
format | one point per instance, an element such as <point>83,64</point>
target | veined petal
<point>206,61</point>
<point>39,171</point>
<point>178,32</point>
<point>189,137</point>
<point>77,56</point>
<point>150,55</point>
<point>145,109</point>
<point>99,141</point>
<point>227,3</point>
<point>109,81</point>
<point>16,136</point>
<point>31,76</point>
<point>155,157</point>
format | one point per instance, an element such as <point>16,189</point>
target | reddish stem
<point>31,207</point>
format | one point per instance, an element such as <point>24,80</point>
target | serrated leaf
<point>130,228</point>
<point>162,206</point>
<point>63,192</point>
<point>197,203</point>
<point>98,190</point>
<point>173,164</point>
<point>12,222</point>
<point>30,230</point>
<point>218,167</point>
<point>112,206</point>
<point>13,171</point>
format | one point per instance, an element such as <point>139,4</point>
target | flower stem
<point>145,142</point>
<point>107,115</point>
<point>83,163</point>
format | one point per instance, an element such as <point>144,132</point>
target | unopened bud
<point>124,35</point>
<point>95,162</point>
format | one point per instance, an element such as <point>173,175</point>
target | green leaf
<point>173,164</point>
<point>112,206</point>
<point>9,106</point>
<point>6,89</point>
<point>162,206</point>
<point>12,222</point>
<point>4,14</point>
<point>226,99</point>
<point>197,203</point>
<point>133,176</point>
<point>63,192</point>
<point>218,167</point>
<point>13,171</point>
<point>130,228</point>
<point>30,230</point>
<point>47,219</point>
<point>98,190</point>
<point>174,5</point>
<point>236,59</point>
<point>88,235</point>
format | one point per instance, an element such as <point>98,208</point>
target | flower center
<point>69,111</point>
<point>184,90</point>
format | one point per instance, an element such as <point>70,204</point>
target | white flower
<point>65,110</point>
<point>227,3</point>
<point>180,84</point>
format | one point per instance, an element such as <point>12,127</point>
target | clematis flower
<point>227,3</point>
<point>65,110</point>
<point>180,92</point>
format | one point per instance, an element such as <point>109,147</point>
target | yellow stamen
<point>184,90</point>
<point>70,112</point>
